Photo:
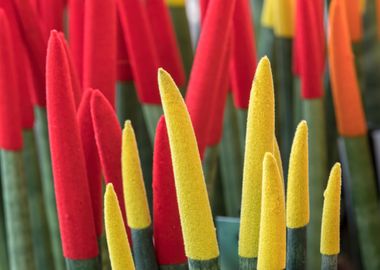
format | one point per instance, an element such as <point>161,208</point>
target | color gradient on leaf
<point>168,238</point>
<point>117,239</point>
<point>133,182</point>
<point>70,178</point>
<point>354,18</point>
<point>348,105</point>
<point>272,244</point>
<point>259,140</point>
<point>297,203</point>
<point>330,234</point>
<point>195,212</point>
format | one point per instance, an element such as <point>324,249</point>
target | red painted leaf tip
<point>144,59</point>
<point>10,118</point>
<point>99,43</point>
<point>108,140</point>
<point>92,159</point>
<point>168,238</point>
<point>75,213</point>
<point>243,62</point>
<point>207,64</point>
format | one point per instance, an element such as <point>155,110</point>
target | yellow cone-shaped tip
<point>297,204</point>
<point>117,239</point>
<point>267,14</point>
<point>330,235</point>
<point>136,203</point>
<point>272,246</point>
<point>284,18</point>
<point>194,207</point>
<point>259,140</point>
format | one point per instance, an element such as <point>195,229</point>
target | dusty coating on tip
<point>267,18</point>
<point>330,234</point>
<point>272,245</point>
<point>136,203</point>
<point>345,86</point>
<point>259,140</point>
<point>175,3</point>
<point>194,207</point>
<point>297,201</point>
<point>117,239</point>
<point>283,12</point>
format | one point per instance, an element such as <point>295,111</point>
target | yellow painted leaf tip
<point>272,244</point>
<point>297,206</point>
<point>117,239</point>
<point>259,140</point>
<point>196,219</point>
<point>330,234</point>
<point>133,184</point>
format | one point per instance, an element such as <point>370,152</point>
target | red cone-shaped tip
<point>144,59</point>
<point>10,118</point>
<point>207,62</point>
<point>92,159</point>
<point>166,222</point>
<point>108,140</point>
<point>243,62</point>
<point>75,213</point>
<point>99,54</point>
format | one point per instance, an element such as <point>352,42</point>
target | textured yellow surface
<point>136,203</point>
<point>117,239</point>
<point>284,18</point>
<point>178,3</point>
<point>196,219</point>
<point>277,155</point>
<point>330,234</point>
<point>259,140</point>
<point>272,246</point>
<point>297,201</point>
<point>267,14</point>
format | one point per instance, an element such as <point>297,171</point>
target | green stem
<point>210,168</point>
<point>212,264</point>
<point>143,250</point>
<point>43,149</point>
<point>104,255</point>
<point>361,182</point>
<point>266,43</point>
<point>88,264</point>
<point>152,114</point>
<point>174,267</point>
<point>242,115</point>
<point>38,220</point>
<point>181,27</point>
<point>313,111</point>
<point>231,161</point>
<point>285,90</point>
<point>3,243</point>
<point>296,249</point>
<point>257,6</point>
<point>128,108</point>
<point>297,101</point>
<point>329,262</point>
<point>247,263</point>
<point>227,229</point>
<point>19,241</point>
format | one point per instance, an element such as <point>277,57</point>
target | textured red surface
<point>92,159</point>
<point>51,12</point>
<point>75,213</point>
<point>203,4</point>
<point>76,27</point>
<point>77,89</point>
<point>309,48</point>
<point>22,68</point>
<point>100,48</point>
<point>217,114</point>
<point>165,40</point>
<point>124,69</point>
<point>10,118</point>
<point>243,62</point>
<point>205,72</point>
<point>36,42</point>
<point>166,222</point>
<point>108,140</point>
<point>139,39</point>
